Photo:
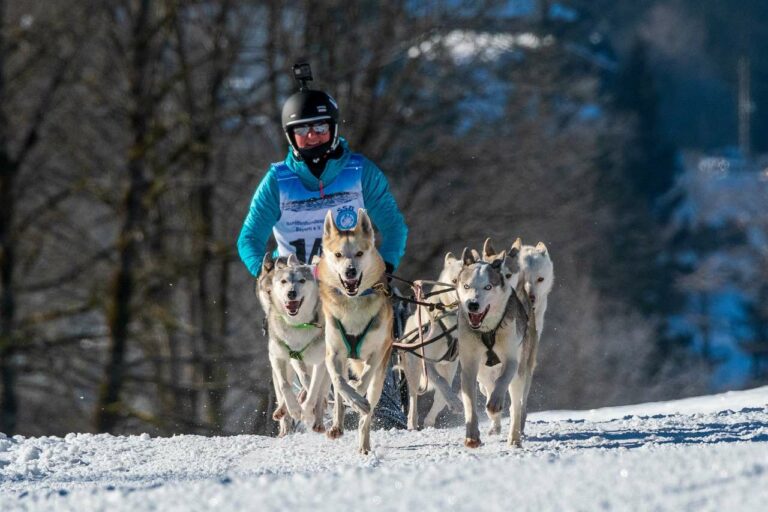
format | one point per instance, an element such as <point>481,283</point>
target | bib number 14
<point>300,247</point>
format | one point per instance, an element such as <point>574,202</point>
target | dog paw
<point>365,451</point>
<point>295,413</point>
<point>307,415</point>
<point>279,413</point>
<point>472,443</point>
<point>318,427</point>
<point>495,403</point>
<point>334,432</point>
<point>516,443</point>
<point>495,429</point>
<point>455,406</point>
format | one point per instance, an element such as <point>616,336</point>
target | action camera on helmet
<point>309,106</point>
<point>302,73</point>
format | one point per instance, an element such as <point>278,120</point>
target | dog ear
<point>282,262</point>
<point>467,257</point>
<point>496,264</point>
<point>488,249</point>
<point>363,223</point>
<point>515,247</point>
<point>268,263</point>
<point>293,261</point>
<point>329,227</point>
<point>449,257</point>
<point>541,247</point>
<point>476,255</point>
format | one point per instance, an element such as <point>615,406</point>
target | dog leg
<point>526,390</point>
<point>469,366</point>
<point>516,392</point>
<point>485,382</point>
<point>495,401</point>
<point>282,373</point>
<point>443,387</point>
<point>336,367</point>
<point>412,377</point>
<point>318,425</point>
<point>337,428</point>
<point>438,404</point>
<point>304,378</point>
<point>379,374</point>
<point>316,386</point>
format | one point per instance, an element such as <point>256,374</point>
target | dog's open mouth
<point>351,285</point>
<point>293,306</point>
<point>476,319</point>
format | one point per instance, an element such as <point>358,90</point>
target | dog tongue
<point>293,305</point>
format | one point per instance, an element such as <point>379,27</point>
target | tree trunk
<point>119,314</point>
<point>8,172</point>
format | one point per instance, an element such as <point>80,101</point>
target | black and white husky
<point>493,343</point>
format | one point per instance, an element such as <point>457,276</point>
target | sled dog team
<point>333,321</point>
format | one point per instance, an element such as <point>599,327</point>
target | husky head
<point>536,272</point>
<point>483,291</point>
<point>264,281</point>
<point>450,274</point>
<point>294,289</point>
<point>510,265</point>
<point>350,258</point>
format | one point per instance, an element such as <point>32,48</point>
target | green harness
<point>353,342</point>
<point>299,354</point>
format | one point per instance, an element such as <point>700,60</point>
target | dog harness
<point>353,342</point>
<point>300,227</point>
<point>489,340</point>
<point>299,354</point>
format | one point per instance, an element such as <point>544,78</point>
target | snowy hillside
<point>708,453</point>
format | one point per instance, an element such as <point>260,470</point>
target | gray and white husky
<point>296,343</point>
<point>441,356</point>
<point>536,276</point>
<point>492,343</point>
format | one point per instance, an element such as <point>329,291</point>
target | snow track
<point>713,457</point>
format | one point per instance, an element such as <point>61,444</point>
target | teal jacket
<point>265,209</point>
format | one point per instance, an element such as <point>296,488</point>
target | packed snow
<point>707,453</point>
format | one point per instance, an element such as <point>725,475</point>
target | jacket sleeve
<point>263,214</point>
<point>384,213</point>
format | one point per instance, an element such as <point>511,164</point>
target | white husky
<point>441,356</point>
<point>492,344</point>
<point>296,343</point>
<point>536,279</point>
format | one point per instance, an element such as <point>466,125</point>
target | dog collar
<point>307,325</point>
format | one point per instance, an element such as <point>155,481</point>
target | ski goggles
<point>318,128</point>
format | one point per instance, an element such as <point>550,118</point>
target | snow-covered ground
<point>708,453</point>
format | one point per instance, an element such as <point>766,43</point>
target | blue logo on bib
<point>346,218</point>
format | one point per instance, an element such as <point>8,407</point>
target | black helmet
<point>307,106</point>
